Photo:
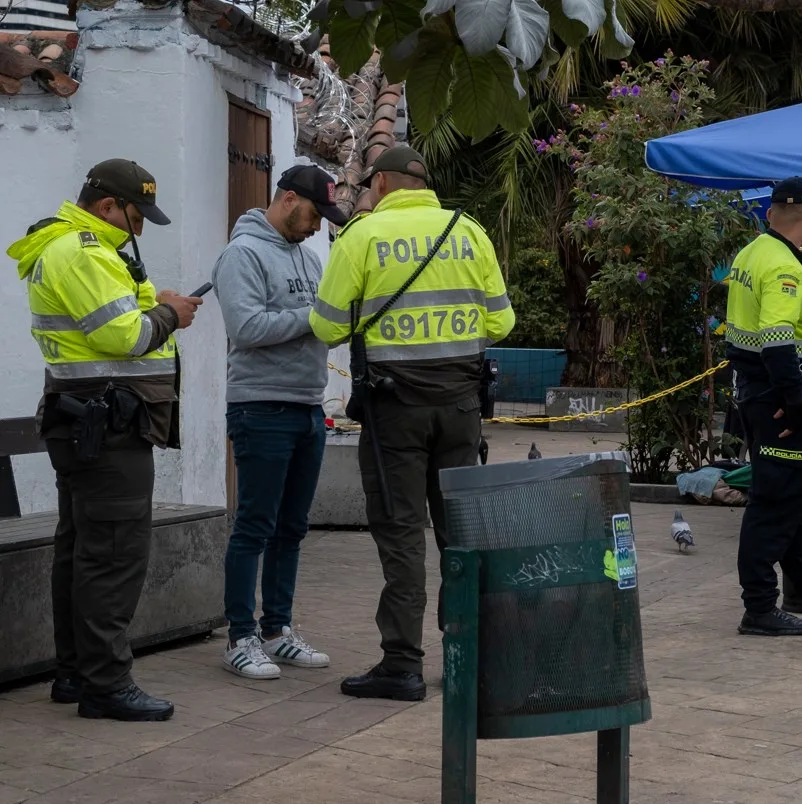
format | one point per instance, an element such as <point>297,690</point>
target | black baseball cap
<point>124,179</point>
<point>311,182</point>
<point>788,191</point>
<point>398,160</point>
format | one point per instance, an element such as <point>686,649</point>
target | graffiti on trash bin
<point>551,565</point>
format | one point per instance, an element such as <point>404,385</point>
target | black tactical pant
<point>771,530</point>
<point>417,442</point>
<point>102,545</point>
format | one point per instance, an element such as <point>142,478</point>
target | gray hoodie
<point>266,288</point>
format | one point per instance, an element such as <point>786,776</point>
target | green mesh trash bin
<point>557,617</point>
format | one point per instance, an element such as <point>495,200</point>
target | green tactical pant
<point>417,441</point>
<point>101,551</point>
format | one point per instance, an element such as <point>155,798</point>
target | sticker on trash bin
<point>624,560</point>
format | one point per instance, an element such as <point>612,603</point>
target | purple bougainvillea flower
<point>615,92</point>
<point>660,62</point>
<point>602,125</point>
<point>674,95</point>
<point>636,90</point>
<point>642,276</point>
<point>590,223</point>
<point>542,147</point>
<point>624,91</point>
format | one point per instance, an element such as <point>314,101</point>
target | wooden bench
<point>17,437</point>
<point>183,592</point>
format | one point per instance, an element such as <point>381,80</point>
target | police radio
<point>135,265</point>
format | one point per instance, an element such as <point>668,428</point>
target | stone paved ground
<point>727,724</point>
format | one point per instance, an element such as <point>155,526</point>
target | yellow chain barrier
<point>593,413</point>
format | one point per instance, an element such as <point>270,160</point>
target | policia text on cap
<point>110,394</point>
<point>764,334</point>
<point>419,390</point>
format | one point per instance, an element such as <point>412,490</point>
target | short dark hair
<point>89,196</point>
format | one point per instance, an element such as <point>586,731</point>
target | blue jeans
<point>278,450</point>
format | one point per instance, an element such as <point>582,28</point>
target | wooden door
<point>249,181</point>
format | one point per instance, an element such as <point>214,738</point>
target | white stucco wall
<point>154,91</point>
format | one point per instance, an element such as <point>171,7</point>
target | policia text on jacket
<point>423,355</point>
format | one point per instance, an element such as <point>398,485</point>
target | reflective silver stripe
<point>427,351</point>
<point>112,368</point>
<point>145,334</point>
<point>426,298</point>
<point>54,323</point>
<point>108,312</point>
<point>332,313</point>
<point>497,303</point>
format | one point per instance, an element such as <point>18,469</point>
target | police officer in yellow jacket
<point>425,359</point>
<point>110,394</point>
<point>764,335</point>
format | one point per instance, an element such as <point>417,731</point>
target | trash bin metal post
<point>460,675</point>
<point>612,770</point>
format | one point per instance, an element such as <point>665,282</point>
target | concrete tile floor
<point>727,725</point>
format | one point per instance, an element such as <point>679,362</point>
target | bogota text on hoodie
<point>266,288</point>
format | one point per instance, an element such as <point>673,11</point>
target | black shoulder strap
<point>438,244</point>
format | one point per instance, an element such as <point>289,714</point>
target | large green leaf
<point>616,42</point>
<point>474,97</point>
<point>527,31</point>
<point>481,23</point>
<point>428,84</point>
<point>397,37</point>
<point>512,109</point>
<point>352,41</point>
<point>574,20</point>
<point>399,19</point>
<point>437,7</point>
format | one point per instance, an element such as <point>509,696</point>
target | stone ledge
<point>654,493</point>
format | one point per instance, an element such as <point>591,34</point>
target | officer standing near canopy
<point>764,335</point>
<point>417,363</point>
<point>110,395</point>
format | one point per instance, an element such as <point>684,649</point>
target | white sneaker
<point>291,648</point>
<point>246,658</point>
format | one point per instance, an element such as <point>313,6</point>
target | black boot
<point>382,683</point>
<point>773,623</point>
<point>129,703</point>
<point>66,690</point>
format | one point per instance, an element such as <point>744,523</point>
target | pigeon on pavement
<point>534,452</point>
<point>681,532</point>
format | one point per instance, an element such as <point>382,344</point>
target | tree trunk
<point>755,6</point>
<point>590,338</point>
<point>581,337</point>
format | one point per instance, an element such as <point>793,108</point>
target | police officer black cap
<point>788,191</point>
<point>311,182</point>
<point>124,179</point>
<point>398,160</point>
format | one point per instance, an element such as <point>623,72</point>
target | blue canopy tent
<point>747,153</point>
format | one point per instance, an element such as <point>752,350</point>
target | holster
<point>488,388</point>
<point>125,409</point>
<point>89,420</point>
<point>355,409</point>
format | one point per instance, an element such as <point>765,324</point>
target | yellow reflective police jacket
<point>87,316</point>
<point>764,312</point>
<point>453,311</point>
<point>86,308</point>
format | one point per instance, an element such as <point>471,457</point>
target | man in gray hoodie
<point>266,282</point>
